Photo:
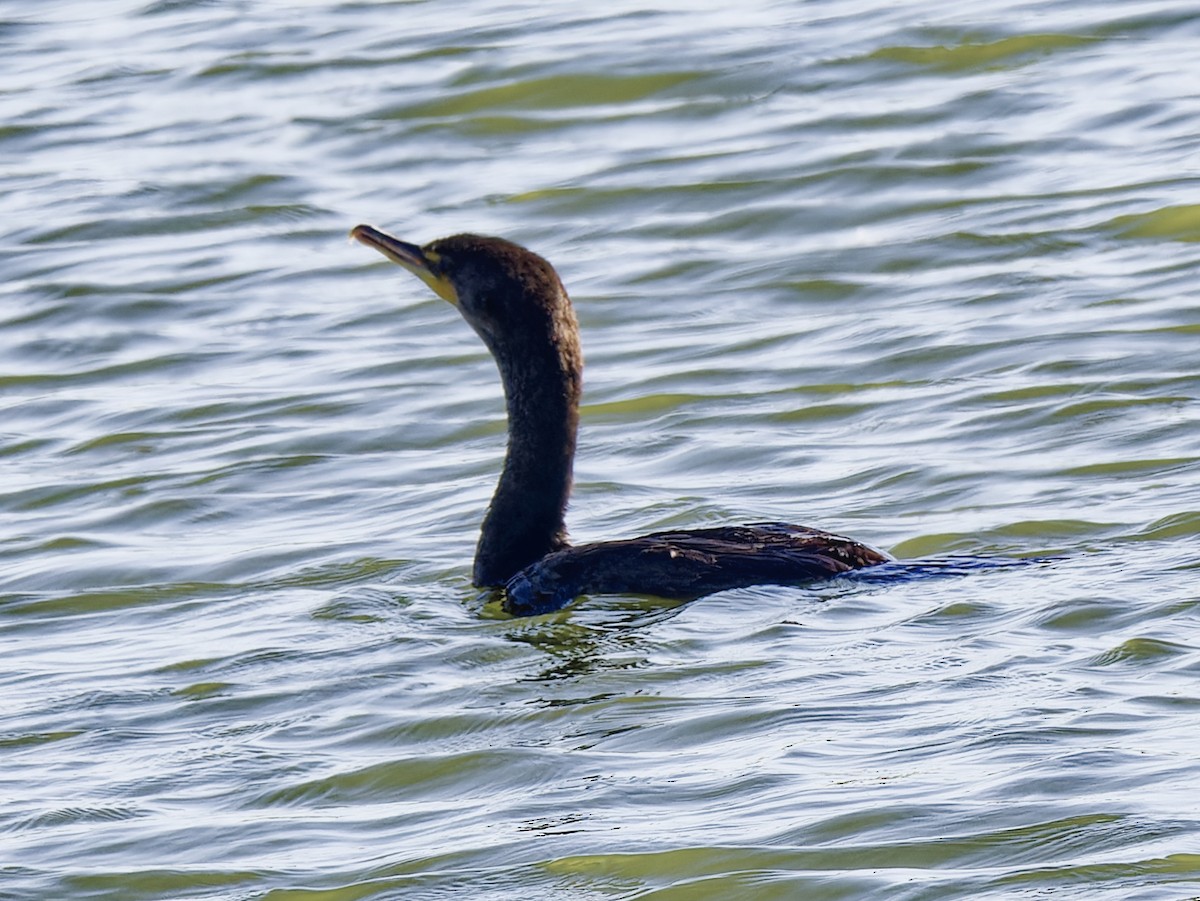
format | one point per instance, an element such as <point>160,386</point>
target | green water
<point>921,273</point>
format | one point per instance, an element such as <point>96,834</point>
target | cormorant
<point>516,303</point>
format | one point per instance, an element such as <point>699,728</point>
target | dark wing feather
<point>686,564</point>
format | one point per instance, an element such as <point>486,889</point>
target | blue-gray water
<point>922,273</point>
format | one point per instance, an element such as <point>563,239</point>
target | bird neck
<point>525,520</point>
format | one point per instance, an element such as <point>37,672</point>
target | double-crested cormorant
<point>516,303</point>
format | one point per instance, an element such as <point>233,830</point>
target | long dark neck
<point>525,520</point>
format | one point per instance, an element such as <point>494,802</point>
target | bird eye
<point>435,262</point>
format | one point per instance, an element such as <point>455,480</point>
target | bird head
<point>505,292</point>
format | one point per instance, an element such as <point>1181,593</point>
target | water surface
<point>920,273</point>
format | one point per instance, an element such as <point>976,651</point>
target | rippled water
<point>920,273</point>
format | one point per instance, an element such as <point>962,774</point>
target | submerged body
<point>516,303</point>
<point>684,565</point>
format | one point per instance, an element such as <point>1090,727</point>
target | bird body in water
<point>517,304</point>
